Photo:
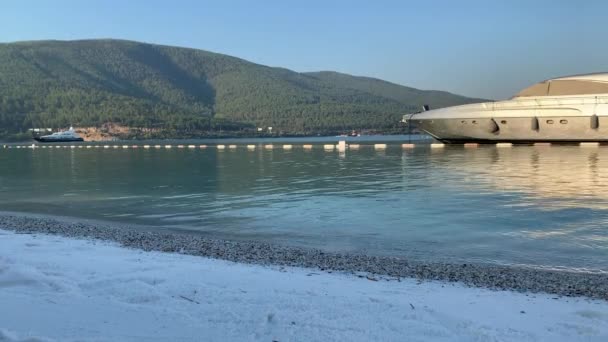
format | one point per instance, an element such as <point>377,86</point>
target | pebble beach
<point>497,277</point>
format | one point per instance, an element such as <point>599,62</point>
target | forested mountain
<point>180,91</point>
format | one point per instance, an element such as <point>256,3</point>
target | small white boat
<point>64,136</point>
<point>566,109</point>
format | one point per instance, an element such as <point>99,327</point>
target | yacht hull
<point>518,129</point>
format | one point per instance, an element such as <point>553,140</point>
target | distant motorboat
<point>565,109</point>
<point>351,134</point>
<point>64,136</point>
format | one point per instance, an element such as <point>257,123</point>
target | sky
<point>487,49</point>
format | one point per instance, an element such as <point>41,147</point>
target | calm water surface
<point>541,206</point>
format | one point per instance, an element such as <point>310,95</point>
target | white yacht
<point>565,109</point>
<point>64,136</point>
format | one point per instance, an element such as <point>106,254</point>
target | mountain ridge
<point>188,92</point>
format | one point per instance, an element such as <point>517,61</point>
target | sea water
<point>543,206</point>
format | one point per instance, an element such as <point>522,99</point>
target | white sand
<point>54,288</point>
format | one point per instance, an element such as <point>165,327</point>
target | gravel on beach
<point>524,279</point>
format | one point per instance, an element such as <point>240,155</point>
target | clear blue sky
<point>477,48</point>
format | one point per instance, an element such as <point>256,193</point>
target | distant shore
<point>563,283</point>
<point>246,138</point>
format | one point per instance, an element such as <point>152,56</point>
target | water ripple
<point>522,205</point>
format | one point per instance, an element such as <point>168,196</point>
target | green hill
<point>181,91</point>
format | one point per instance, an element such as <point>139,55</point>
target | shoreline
<point>385,138</point>
<point>55,288</point>
<point>495,277</point>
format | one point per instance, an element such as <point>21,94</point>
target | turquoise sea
<point>544,206</point>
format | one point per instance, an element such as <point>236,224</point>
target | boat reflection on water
<point>547,176</point>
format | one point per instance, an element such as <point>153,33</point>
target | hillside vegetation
<point>179,91</point>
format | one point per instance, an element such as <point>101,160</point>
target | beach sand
<point>66,286</point>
